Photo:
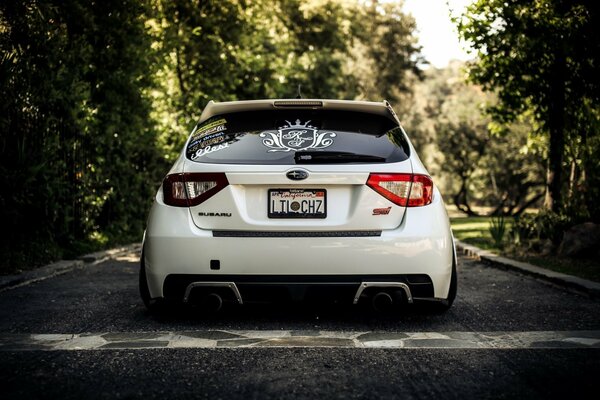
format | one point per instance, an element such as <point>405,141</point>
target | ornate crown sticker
<point>297,136</point>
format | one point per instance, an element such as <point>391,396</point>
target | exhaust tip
<point>382,302</point>
<point>211,302</point>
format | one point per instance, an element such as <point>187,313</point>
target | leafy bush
<point>545,225</point>
<point>79,153</point>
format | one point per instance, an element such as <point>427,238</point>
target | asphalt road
<point>85,334</point>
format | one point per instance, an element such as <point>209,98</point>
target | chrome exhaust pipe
<point>382,302</point>
<point>229,285</point>
<point>389,285</point>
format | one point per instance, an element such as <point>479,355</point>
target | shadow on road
<point>269,314</point>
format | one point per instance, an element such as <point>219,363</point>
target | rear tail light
<point>403,189</point>
<point>191,189</point>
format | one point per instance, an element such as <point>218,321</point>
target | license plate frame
<point>303,199</point>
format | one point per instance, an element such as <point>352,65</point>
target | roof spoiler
<point>391,110</point>
<point>381,108</point>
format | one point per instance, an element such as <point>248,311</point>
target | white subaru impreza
<point>298,199</point>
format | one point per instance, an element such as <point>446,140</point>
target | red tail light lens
<point>410,190</point>
<point>191,189</point>
<point>421,192</point>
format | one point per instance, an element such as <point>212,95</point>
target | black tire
<point>153,305</point>
<point>453,285</point>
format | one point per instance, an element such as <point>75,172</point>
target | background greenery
<point>97,98</point>
<point>476,231</point>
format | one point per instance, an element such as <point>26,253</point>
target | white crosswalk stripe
<point>262,339</point>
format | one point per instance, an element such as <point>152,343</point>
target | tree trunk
<point>461,202</point>
<point>556,126</point>
<point>527,205</point>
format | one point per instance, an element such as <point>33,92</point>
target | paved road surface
<point>85,334</point>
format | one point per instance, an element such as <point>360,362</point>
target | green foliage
<point>497,230</point>
<point>541,57</point>
<point>392,53</point>
<point>236,50</point>
<point>477,162</point>
<point>531,229</point>
<point>520,42</point>
<point>476,231</point>
<point>78,152</point>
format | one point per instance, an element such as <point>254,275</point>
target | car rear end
<point>298,199</point>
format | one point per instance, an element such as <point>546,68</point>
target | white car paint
<point>413,240</point>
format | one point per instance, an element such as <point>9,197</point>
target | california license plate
<point>297,203</point>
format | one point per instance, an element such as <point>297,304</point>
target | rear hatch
<point>298,170</point>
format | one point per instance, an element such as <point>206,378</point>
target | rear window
<point>297,137</point>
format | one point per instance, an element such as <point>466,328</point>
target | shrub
<point>545,225</point>
<point>497,230</point>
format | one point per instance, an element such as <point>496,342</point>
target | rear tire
<point>153,305</point>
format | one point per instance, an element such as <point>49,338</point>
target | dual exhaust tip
<point>384,296</point>
<point>381,302</point>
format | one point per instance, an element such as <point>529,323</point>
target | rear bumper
<point>176,250</point>
<point>259,288</point>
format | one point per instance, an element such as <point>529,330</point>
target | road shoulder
<point>9,282</point>
<point>564,280</point>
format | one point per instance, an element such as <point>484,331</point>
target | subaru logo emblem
<point>297,175</point>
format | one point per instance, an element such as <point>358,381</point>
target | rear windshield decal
<point>297,136</point>
<point>209,138</point>
<point>213,142</point>
<point>199,136</point>
<point>208,149</point>
<point>211,127</point>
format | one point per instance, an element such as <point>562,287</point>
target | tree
<point>539,56</point>
<point>476,162</point>
<point>236,50</point>
<point>392,57</point>
<point>78,146</point>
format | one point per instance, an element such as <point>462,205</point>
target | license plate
<point>297,203</point>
